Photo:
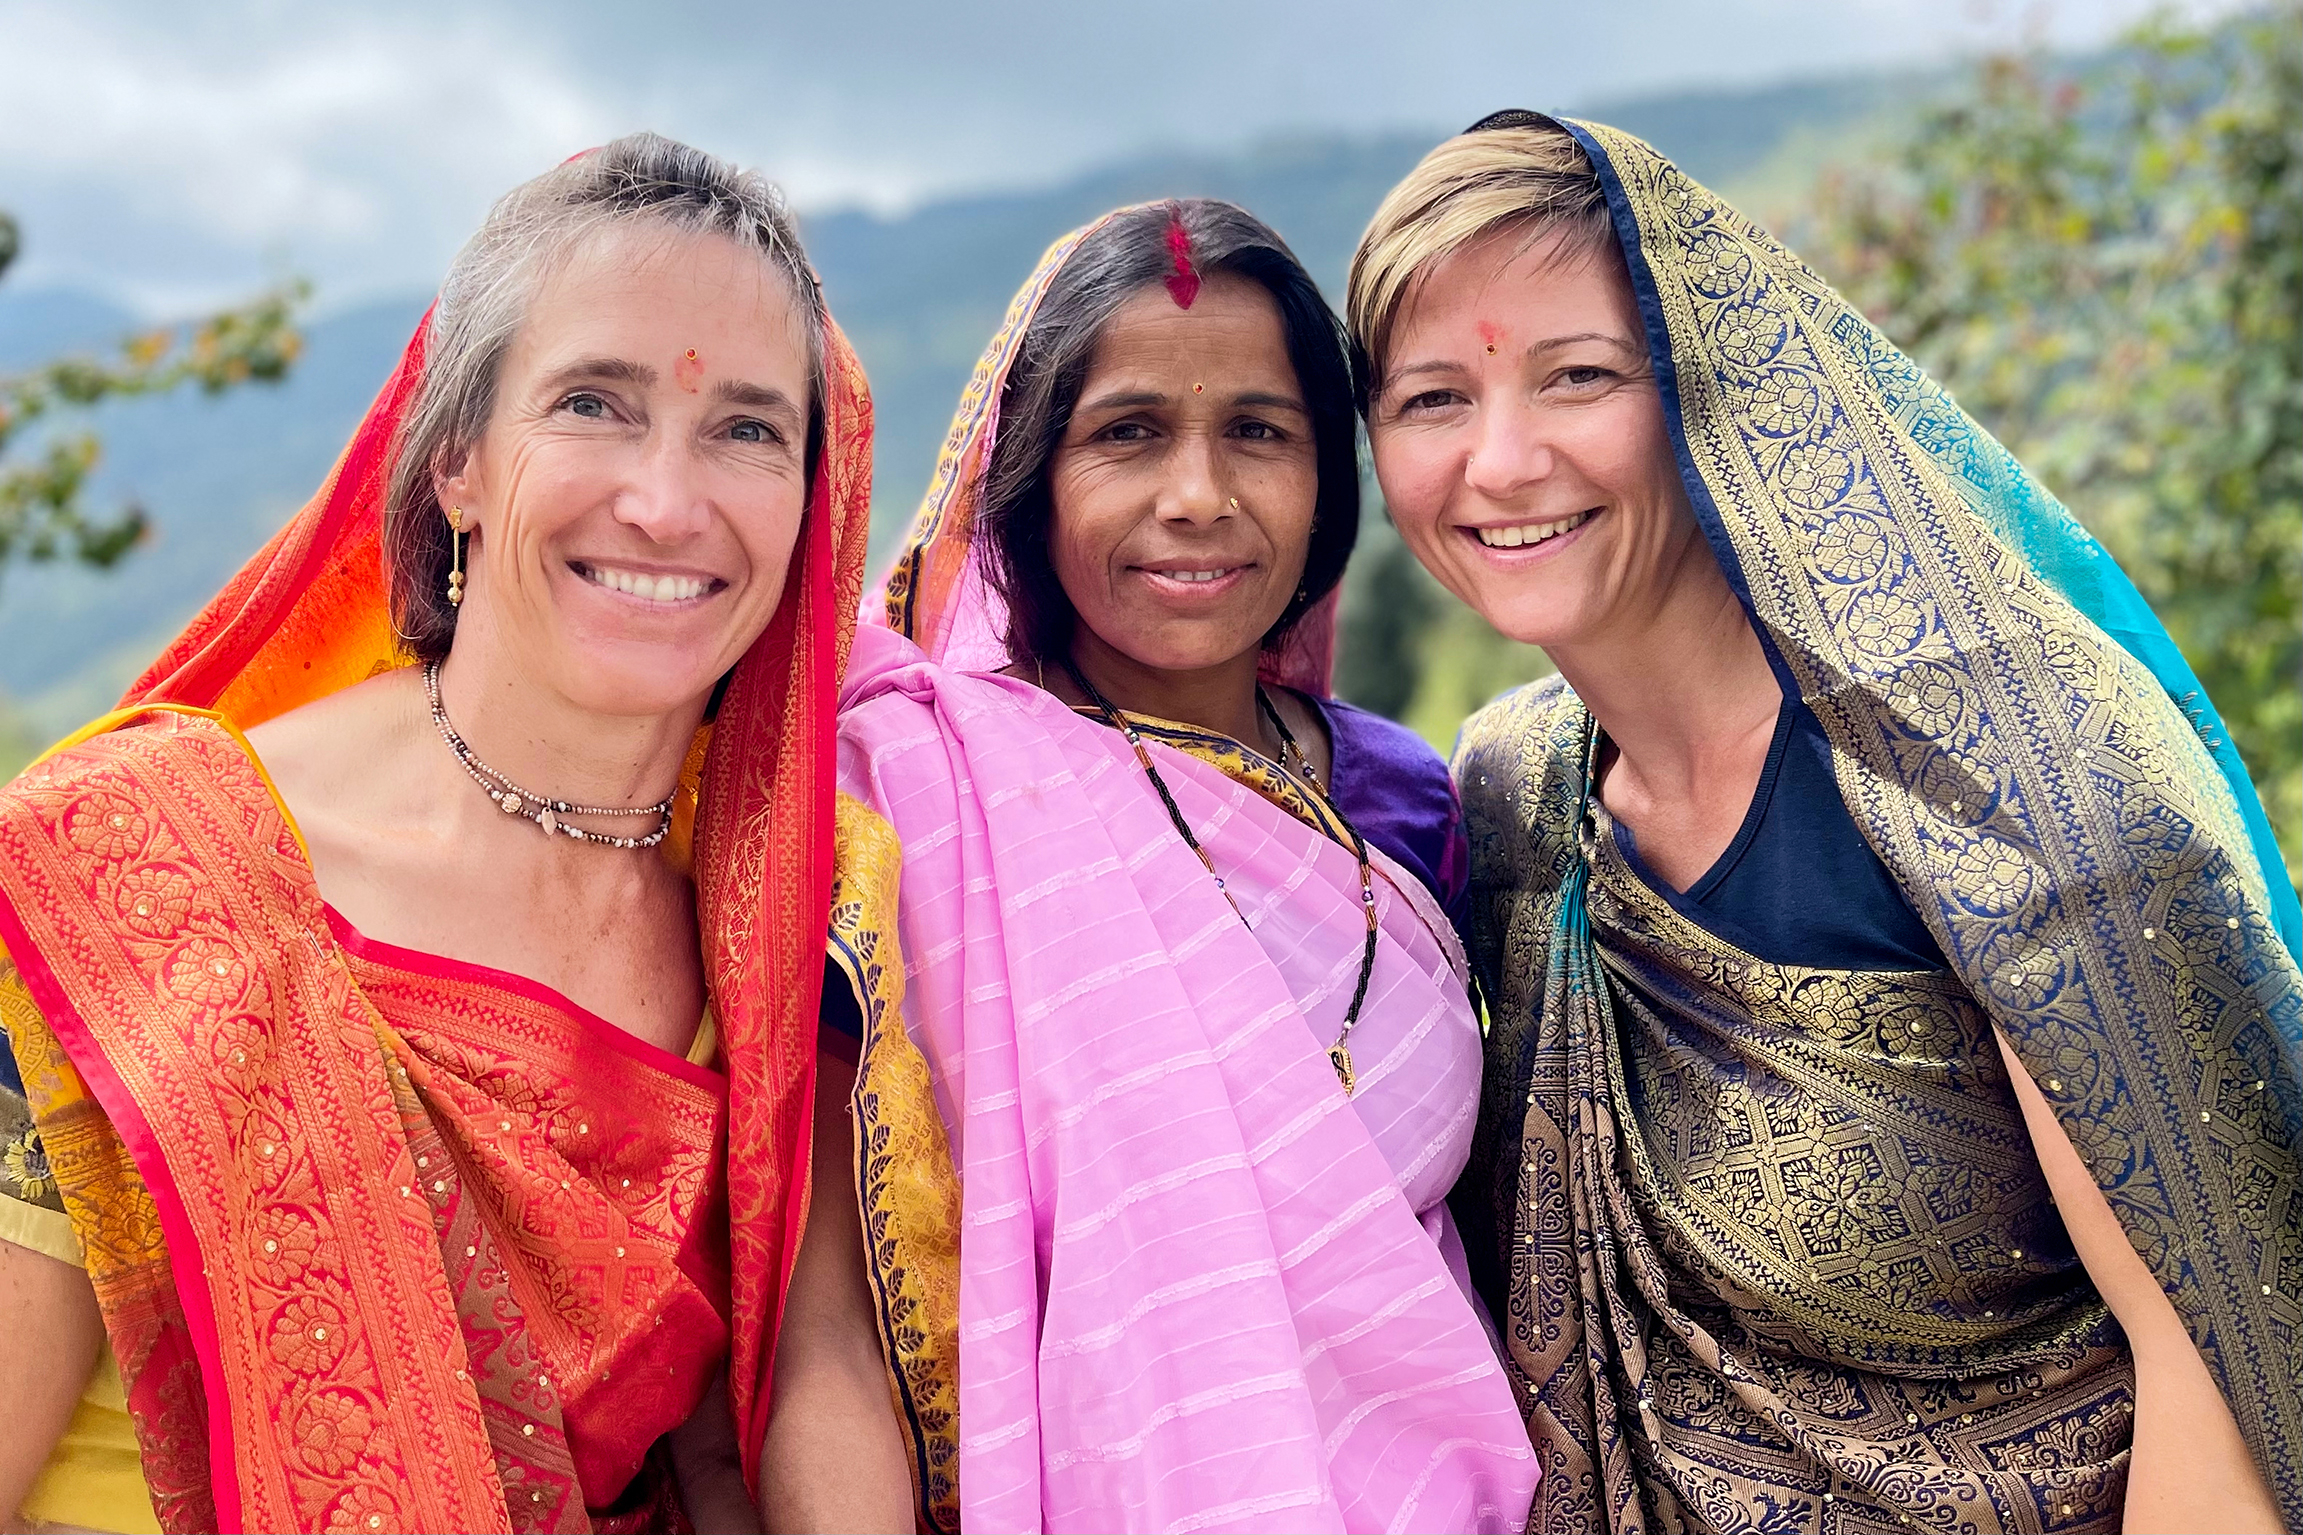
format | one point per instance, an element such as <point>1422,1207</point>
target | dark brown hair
<point>1128,254</point>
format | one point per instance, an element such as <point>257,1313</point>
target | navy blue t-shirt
<point>1799,885</point>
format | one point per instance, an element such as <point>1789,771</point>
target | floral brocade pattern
<point>763,870</point>
<point>118,1228</point>
<point>1777,1253</point>
<point>460,1253</point>
<point>2078,855</point>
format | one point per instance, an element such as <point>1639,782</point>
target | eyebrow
<point>605,369</point>
<point>1132,399</point>
<point>757,396</point>
<point>1554,343</point>
<point>1549,344</point>
<point>624,371</point>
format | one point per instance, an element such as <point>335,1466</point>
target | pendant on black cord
<point>1339,1056</point>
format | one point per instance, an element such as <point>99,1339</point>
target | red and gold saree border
<point>457,972</point>
<point>197,996</point>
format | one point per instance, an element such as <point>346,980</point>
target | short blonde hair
<point>1536,177</point>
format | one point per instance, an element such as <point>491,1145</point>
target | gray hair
<point>531,232</point>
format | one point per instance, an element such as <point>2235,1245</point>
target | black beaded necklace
<point>1339,1053</point>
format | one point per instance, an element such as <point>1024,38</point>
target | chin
<point>1190,653</point>
<point>1527,618</point>
<point>635,680</point>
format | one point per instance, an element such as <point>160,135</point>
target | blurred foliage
<point>43,511</point>
<point>2107,271</point>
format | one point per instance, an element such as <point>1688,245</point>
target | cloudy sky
<point>170,153</point>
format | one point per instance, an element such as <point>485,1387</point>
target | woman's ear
<point>454,484</point>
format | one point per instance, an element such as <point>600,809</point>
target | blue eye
<point>590,406</point>
<point>750,431</point>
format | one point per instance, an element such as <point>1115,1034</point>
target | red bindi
<point>1490,332</point>
<point>689,370</point>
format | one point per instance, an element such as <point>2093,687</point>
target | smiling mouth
<point>646,586</point>
<point>1216,573</point>
<point>1518,535</point>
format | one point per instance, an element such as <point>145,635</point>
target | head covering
<point>2019,742</point>
<point>936,593</point>
<point>311,613</point>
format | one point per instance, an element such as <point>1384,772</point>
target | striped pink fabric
<point>1200,1288</point>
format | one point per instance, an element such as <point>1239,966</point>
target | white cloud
<point>174,154</point>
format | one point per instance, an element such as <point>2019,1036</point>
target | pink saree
<point>1194,1285</point>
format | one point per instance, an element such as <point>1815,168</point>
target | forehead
<point>1529,288</point>
<point>640,285</point>
<point>1234,321</point>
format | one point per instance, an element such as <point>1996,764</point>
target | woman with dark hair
<point>1166,1055</point>
<point>373,1159</point>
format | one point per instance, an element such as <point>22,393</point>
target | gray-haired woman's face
<point>638,493</point>
<point>1184,487</point>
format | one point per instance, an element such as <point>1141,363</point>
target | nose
<point>663,495</point>
<point>1192,490</point>
<point>1508,450</point>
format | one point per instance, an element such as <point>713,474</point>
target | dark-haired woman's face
<point>1183,489</point>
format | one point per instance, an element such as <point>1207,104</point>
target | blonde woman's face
<point>639,490</point>
<point>1521,444</point>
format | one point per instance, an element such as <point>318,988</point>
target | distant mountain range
<point>919,294</point>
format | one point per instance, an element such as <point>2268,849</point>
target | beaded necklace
<point>1339,1053</point>
<point>544,812</point>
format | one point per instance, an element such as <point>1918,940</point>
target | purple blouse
<point>1390,784</point>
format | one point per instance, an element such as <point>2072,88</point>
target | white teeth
<point>1195,575</point>
<point>1528,532</point>
<point>647,588</point>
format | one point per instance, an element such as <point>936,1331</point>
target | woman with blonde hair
<point>398,1053</point>
<point>1892,1101</point>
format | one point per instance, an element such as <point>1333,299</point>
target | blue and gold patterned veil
<point>2022,744</point>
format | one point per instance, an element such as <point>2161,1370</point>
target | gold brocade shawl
<point>1775,1251</point>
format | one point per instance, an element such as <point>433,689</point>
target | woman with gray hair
<point>410,991</point>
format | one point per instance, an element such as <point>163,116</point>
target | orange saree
<point>385,1241</point>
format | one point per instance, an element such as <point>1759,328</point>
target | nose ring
<point>1235,503</point>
